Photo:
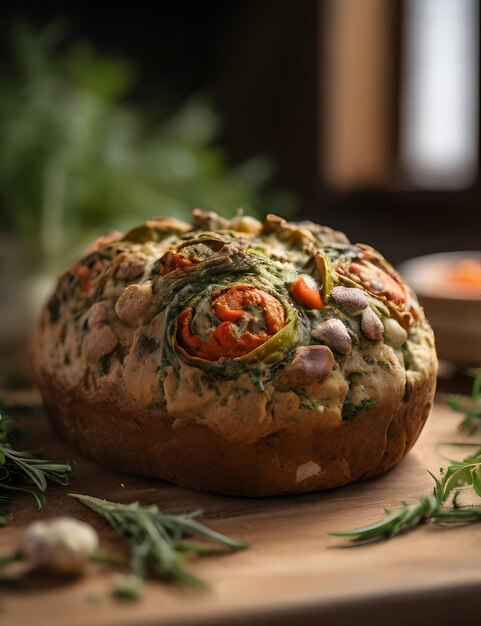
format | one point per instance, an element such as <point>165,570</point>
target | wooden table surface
<point>294,573</point>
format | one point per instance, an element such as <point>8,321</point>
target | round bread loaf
<point>236,357</point>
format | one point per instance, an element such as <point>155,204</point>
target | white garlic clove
<point>60,544</point>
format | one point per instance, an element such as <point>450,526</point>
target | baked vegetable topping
<point>378,281</point>
<point>280,302</point>
<point>185,257</point>
<point>306,292</point>
<point>248,318</point>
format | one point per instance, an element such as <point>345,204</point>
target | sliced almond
<point>334,334</point>
<point>371,325</point>
<point>351,299</point>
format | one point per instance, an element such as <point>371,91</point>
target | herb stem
<point>157,539</point>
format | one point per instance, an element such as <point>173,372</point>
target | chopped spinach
<point>308,402</point>
<point>350,410</point>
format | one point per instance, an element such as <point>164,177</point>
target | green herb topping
<point>157,539</point>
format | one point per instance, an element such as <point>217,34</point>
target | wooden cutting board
<point>294,573</point>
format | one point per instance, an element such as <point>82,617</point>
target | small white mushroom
<point>60,544</point>
<point>99,341</point>
<point>334,334</point>
<point>394,334</point>
<point>132,303</point>
<point>351,299</point>
<point>371,325</point>
<point>310,365</point>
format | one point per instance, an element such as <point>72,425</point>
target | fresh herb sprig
<point>410,515</point>
<point>22,470</point>
<point>442,505</point>
<point>429,508</point>
<point>157,540</point>
<point>469,406</point>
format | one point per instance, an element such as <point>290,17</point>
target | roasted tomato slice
<point>248,318</point>
<point>189,254</point>
<point>379,282</point>
<point>172,261</point>
<point>306,292</point>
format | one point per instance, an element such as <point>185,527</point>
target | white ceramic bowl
<point>454,312</point>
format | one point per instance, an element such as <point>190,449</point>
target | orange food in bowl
<point>466,273</point>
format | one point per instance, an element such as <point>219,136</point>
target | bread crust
<point>109,421</point>
<point>194,456</point>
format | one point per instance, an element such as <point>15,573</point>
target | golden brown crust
<point>192,455</point>
<point>356,415</point>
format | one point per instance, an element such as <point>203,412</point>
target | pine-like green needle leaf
<point>157,540</point>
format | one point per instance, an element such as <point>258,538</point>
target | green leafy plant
<point>470,406</point>
<point>157,540</point>
<point>77,156</point>
<point>23,471</point>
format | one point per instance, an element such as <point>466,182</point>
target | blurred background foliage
<point>79,156</point>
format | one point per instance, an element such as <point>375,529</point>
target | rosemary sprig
<point>469,406</point>
<point>441,506</point>
<point>21,470</point>
<point>410,515</point>
<point>156,539</point>
<point>429,508</point>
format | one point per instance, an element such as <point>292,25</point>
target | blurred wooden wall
<point>358,53</point>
